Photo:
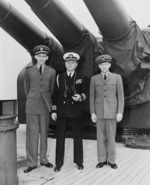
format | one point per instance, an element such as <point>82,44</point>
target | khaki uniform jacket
<point>39,89</point>
<point>106,96</point>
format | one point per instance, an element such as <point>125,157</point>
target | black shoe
<point>101,164</point>
<point>114,166</point>
<point>29,169</point>
<point>57,168</point>
<point>80,166</point>
<point>48,165</point>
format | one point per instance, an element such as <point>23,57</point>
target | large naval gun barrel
<point>69,31</point>
<point>25,32</point>
<point>20,28</point>
<point>28,35</point>
<point>58,20</point>
<point>129,47</point>
<point>110,17</point>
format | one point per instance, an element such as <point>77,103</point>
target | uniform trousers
<point>37,124</point>
<point>106,132</point>
<point>60,139</point>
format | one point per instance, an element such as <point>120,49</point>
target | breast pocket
<point>47,82</point>
<point>111,88</point>
<point>99,89</point>
<point>48,77</point>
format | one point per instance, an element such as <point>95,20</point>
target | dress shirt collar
<point>72,73</point>
<point>105,74</point>
<point>38,66</point>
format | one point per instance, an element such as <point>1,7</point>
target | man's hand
<point>119,117</point>
<point>94,117</point>
<point>54,116</point>
<point>77,97</point>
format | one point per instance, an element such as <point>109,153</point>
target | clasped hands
<point>77,97</point>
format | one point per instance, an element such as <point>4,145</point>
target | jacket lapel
<point>100,76</point>
<point>36,69</point>
<point>45,70</point>
<point>109,76</point>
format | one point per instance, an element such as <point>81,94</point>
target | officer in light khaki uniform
<point>39,86</point>
<point>106,108</point>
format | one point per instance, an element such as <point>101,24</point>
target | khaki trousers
<point>106,132</point>
<point>37,125</point>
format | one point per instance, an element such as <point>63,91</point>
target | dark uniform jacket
<point>39,89</point>
<point>65,88</point>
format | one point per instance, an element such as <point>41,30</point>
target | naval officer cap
<point>103,58</point>
<point>41,49</point>
<point>71,56</point>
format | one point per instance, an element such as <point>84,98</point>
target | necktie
<point>69,75</point>
<point>40,69</point>
<point>105,76</point>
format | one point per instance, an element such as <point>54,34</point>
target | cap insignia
<point>70,55</point>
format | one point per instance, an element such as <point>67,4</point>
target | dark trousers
<point>60,139</point>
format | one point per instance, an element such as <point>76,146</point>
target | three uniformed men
<point>70,91</point>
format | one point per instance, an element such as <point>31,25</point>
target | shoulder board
<point>96,75</point>
<point>115,74</point>
<point>29,65</point>
<point>49,67</point>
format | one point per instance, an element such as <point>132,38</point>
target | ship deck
<point>133,166</point>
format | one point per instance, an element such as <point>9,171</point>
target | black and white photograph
<point>75,92</point>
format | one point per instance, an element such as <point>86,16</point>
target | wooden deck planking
<point>111,174</point>
<point>127,171</point>
<point>145,180</point>
<point>74,175</point>
<point>134,168</point>
<point>134,171</point>
<point>141,175</point>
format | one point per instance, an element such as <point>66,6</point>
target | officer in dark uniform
<point>39,87</point>
<point>70,91</point>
